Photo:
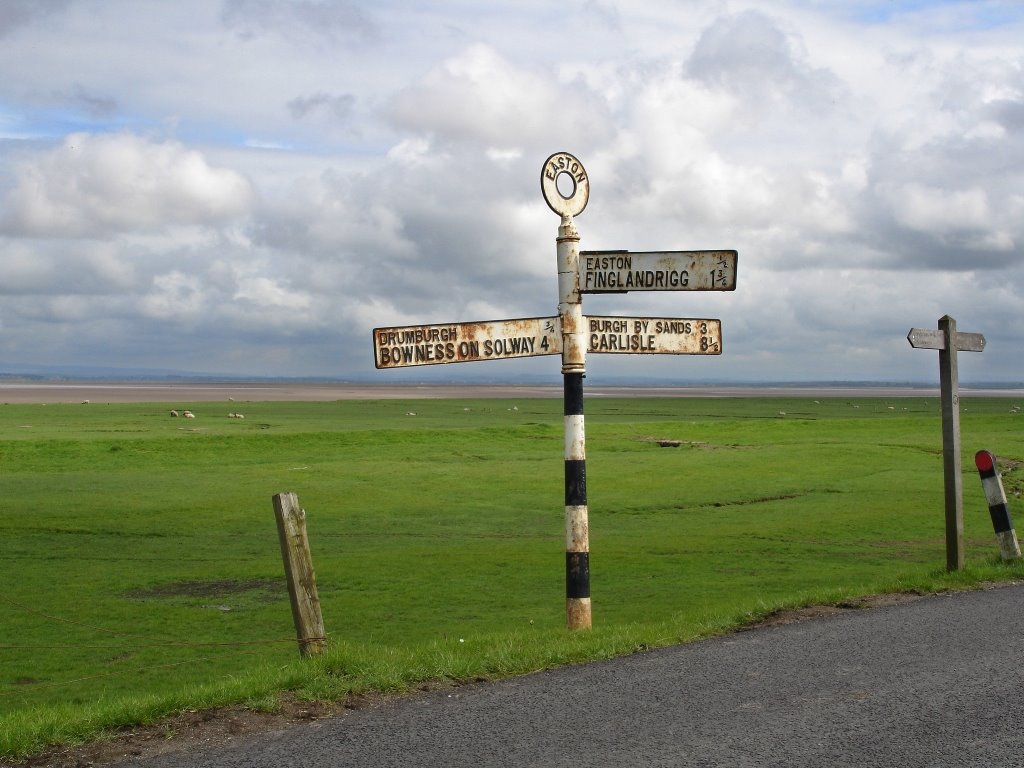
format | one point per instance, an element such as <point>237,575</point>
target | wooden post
<point>948,341</point>
<point>298,569</point>
<point>949,387</point>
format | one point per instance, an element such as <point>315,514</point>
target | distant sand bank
<point>163,392</point>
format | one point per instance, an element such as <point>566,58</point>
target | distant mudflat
<point>164,392</point>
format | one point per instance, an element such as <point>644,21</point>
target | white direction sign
<point>410,345</point>
<point>622,271</point>
<point>465,342</point>
<point>653,335</point>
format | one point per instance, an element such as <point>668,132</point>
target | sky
<point>249,187</point>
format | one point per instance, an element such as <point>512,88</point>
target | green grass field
<point>142,573</point>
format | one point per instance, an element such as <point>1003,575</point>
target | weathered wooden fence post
<point>948,341</point>
<point>298,569</point>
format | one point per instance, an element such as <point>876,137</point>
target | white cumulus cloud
<point>97,185</point>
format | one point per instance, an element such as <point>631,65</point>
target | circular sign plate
<point>562,168</point>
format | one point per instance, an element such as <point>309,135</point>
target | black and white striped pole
<point>562,168</point>
<point>566,189</point>
<point>992,482</point>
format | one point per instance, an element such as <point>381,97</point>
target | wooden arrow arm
<point>925,338</point>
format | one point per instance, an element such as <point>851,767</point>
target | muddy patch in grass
<point>669,442</point>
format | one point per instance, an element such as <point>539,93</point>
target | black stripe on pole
<point>575,469</point>
<point>1000,518</point>
<point>573,394</point>
<point>575,482</point>
<point>577,575</point>
<point>997,508</point>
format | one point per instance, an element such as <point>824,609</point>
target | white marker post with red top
<point>992,482</point>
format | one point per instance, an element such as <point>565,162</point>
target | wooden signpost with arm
<point>948,341</point>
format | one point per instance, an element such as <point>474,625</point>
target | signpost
<point>622,271</point>
<point>413,345</point>
<point>653,335</point>
<point>572,334</point>
<point>466,342</point>
<point>949,341</point>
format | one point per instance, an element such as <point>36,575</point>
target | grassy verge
<point>143,575</point>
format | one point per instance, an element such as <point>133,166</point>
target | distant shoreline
<point>12,392</point>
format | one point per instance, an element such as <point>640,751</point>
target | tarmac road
<point>935,682</point>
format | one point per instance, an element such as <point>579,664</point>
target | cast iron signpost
<point>572,334</point>
<point>949,341</point>
<point>534,336</point>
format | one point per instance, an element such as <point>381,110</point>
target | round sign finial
<point>563,168</point>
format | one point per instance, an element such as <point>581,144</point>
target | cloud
<point>751,57</point>
<point>607,13</point>
<point>19,13</point>
<point>481,97</point>
<point>92,104</point>
<point>339,107</point>
<point>299,19</point>
<point>943,181</point>
<point>175,295</point>
<point>97,185</point>
<point>251,186</point>
<point>940,211</point>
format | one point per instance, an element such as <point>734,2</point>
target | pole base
<point>577,613</point>
<point>1009,547</point>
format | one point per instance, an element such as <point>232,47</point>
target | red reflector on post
<point>984,461</point>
